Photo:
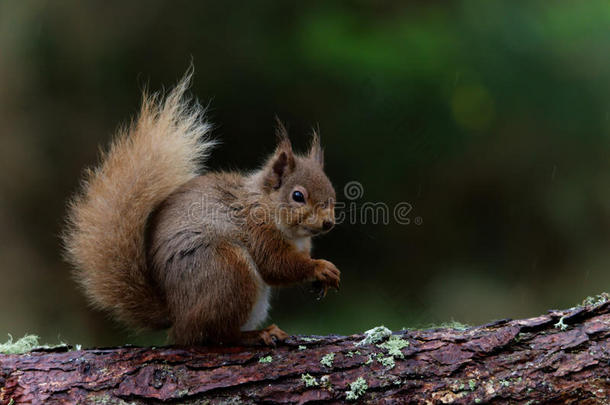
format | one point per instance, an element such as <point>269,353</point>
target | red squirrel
<point>161,243</point>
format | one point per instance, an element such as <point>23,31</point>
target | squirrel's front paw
<point>327,274</point>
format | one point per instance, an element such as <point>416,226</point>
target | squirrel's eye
<point>298,196</point>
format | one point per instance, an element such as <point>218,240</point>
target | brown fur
<point>159,246</point>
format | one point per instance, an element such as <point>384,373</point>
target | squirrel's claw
<point>319,289</point>
<point>272,335</point>
<point>323,292</point>
<point>327,276</point>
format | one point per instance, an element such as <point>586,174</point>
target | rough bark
<point>561,357</point>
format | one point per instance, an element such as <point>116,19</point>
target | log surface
<point>560,357</point>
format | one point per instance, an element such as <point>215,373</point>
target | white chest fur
<point>303,244</point>
<point>260,308</point>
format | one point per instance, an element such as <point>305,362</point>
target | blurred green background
<point>492,119</point>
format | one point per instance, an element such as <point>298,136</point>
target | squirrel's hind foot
<point>269,336</point>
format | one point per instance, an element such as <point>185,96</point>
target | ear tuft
<point>283,142</point>
<point>316,153</point>
<point>282,162</point>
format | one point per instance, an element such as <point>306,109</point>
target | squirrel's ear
<point>316,153</point>
<point>282,162</point>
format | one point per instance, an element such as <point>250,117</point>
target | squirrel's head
<point>302,195</point>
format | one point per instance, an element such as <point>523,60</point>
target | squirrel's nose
<point>327,225</point>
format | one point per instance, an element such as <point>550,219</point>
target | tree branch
<point>559,357</point>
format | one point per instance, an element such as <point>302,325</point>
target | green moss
<point>387,362</point>
<point>560,325</point>
<point>356,389</point>
<point>266,359</point>
<point>472,384</point>
<point>301,347</point>
<point>27,344</point>
<point>596,299</point>
<point>309,380</point>
<point>521,336</point>
<point>455,325</point>
<point>504,383</point>
<point>369,360</point>
<point>446,325</point>
<point>23,345</point>
<point>106,400</point>
<point>101,400</point>
<point>394,345</point>
<point>183,392</point>
<point>325,380</point>
<point>377,334</point>
<point>352,353</point>
<point>327,360</point>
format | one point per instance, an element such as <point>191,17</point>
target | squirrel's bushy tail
<point>105,236</point>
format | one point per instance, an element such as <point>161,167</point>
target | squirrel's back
<point>105,237</point>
